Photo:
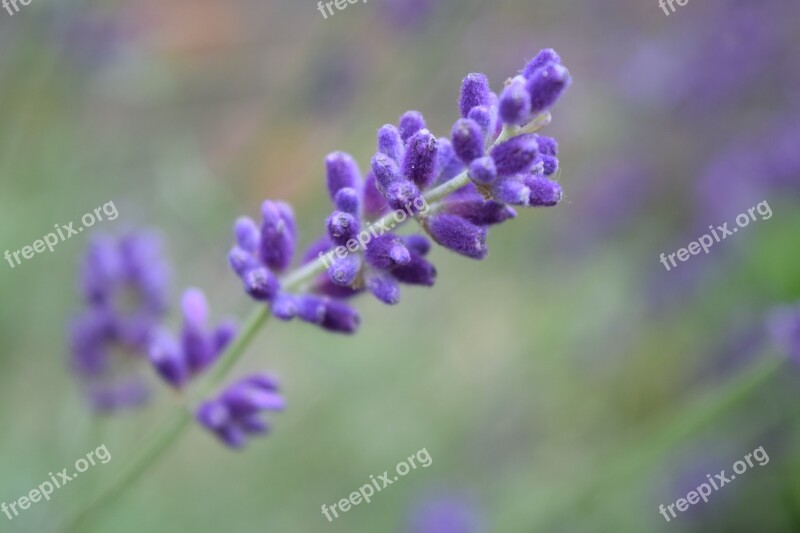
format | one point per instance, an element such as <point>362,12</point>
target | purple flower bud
<point>168,359</point>
<point>340,318</point>
<point>374,202</point>
<point>403,193</point>
<point>484,118</point>
<point>515,103</point>
<point>310,308</point>
<point>467,140</point>
<point>458,235</point>
<point>247,399</point>
<point>321,245</point>
<point>342,171</point>
<point>241,261</point>
<point>515,155</point>
<point>390,143</point>
<point>511,190</point>
<point>417,244</point>
<point>385,170</point>
<point>543,58</point>
<point>417,272</point>
<point>224,334</point>
<point>483,171</point>
<point>195,308</point>
<point>544,192</point>
<point>345,271</point>
<point>260,284</point>
<point>213,415</point>
<point>386,252</point>
<point>383,287</point>
<point>278,235</point>
<point>410,123</point>
<point>546,86</point>
<point>480,212</point>
<point>247,234</point>
<point>347,200</point>
<point>284,306</point>
<point>342,227</point>
<point>419,162</point>
<point>549,165</point>
<point>448,165</point>
<point>474,92</point>
<point>547,145</point>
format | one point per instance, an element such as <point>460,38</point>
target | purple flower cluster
<point>124,284</point>
<point>235,414</point>
<point>493,160</point>
<point>176,361</point>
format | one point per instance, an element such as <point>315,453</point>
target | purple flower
<point>515,155</point>
<point>410,123</point>
<point>124,283</point>
<point>178,360</point>
<point>546,86</point>
<point>341,171</point>
<point>474,92</point>
<point>458,234</point>
<point>419,163</point>
<point>467,140</point>
<point>235,414</point>
<point>515,103</point>
<point>544,58</point>
<point>390,143</point>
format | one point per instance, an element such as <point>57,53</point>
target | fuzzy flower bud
<point>483,171</point>
<point>390,143</point>
<point>485,118</point>
<point>515,155</point>
<point>544,58</point>
<point>341,171</point>
<point>386,252</point>
<point>278,235</point>
<point>467,140</point>
<point>474,92</point>
<point>383,287</point>
<point>511,190</point>
<point>348,200</point>
<point>247,235</point>
<point>410,123</point>
<point>345,271</point>
<point>546,86</point>
<point>458,234</point>
<point>342,227</point>
<point>543,192</point>
<point>385,170</point>
<point>260,284</point>
<point>515,103</point>
<point>419,162</point>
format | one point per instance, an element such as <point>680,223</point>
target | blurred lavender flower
<point>409,164</point>
<point>445,513</point>
<point>235,414</point>
<point>124,284</point>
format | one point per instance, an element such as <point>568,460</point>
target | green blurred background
<point>536,379</point>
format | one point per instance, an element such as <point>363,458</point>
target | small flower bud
<point>385,170</point>
<point>419,162</point>
<point>284,306</point>
<point>547,145</point>
<point>260,284</point>
<point>483,171</point>
<point>241,261</point>
<point>374,202</point>
<point>467,140</point>
<point>549,165</point>
<point>417,244</point>
<point>474,92</point>
<point>511,190</point>
<point>546,86</point>
<point>341,171</point>
<point>390,143</point>
<point>345,271</point>
<point>458,234</point>
<point>410,123</point>
<point>544,58</point>
<point>403,193</point>
<point>515,155</point>
<point>544,192</point>
<point>347,200</point>
<point>278,235</point>
<point>485,118</point>
<point>386,252</point>
<point>515,103</point>
<point>342,227</point>
<point>246,233</point>
<point>480,212</point>
<point>339,317</point>
<point>417,272</point>
<point>448,165</point>
<point>383,287</point>
<point>168,359</point>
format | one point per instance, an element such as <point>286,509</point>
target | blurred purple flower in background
<point>124,283</point>
<point>445,513</point>
<point>784,327</point>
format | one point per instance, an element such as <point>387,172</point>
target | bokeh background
<point>552,383</point>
